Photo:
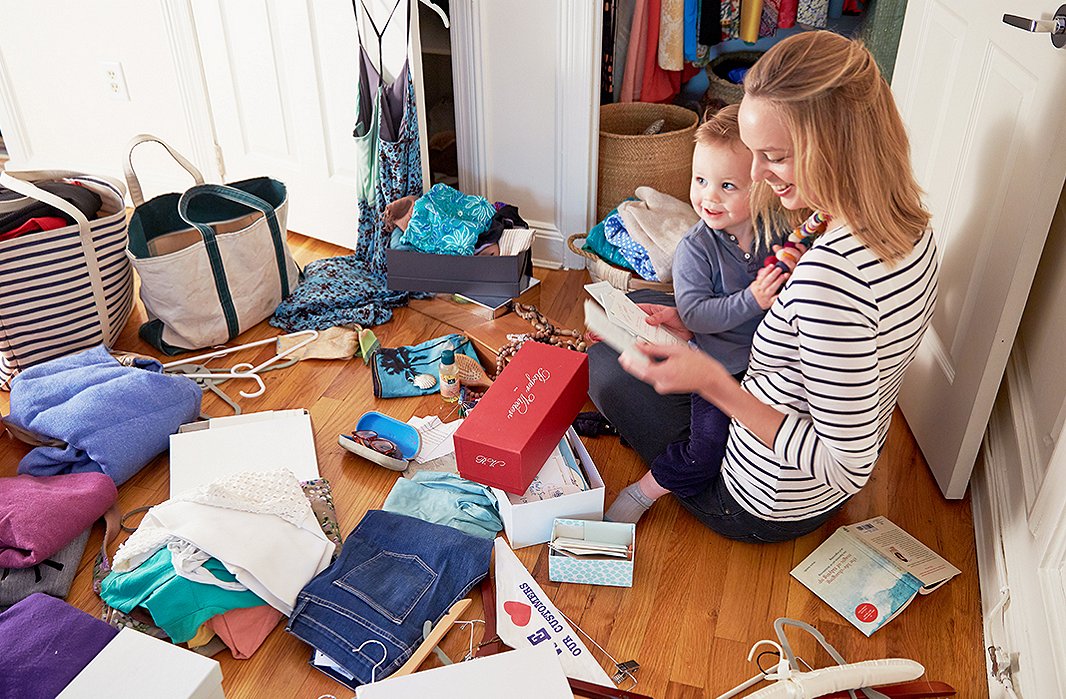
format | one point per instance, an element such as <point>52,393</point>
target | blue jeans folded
<point>394,574</point>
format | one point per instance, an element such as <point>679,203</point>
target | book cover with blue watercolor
<point>869,572</point>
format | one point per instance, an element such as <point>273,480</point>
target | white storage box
<point>135,665</point>
<point>531,523</point>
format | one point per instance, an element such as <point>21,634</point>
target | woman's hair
<point>852,156</point>
<point>720,126</point>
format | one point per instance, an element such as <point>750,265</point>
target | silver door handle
<point>1056,26</point>
<point>1053,26</point>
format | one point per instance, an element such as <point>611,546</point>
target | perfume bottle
<point>449,377</point>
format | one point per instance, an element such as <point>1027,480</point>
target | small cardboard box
<point>521,418</point>
<point>476,275</point>
<point>531,523</point>
<point>593,571</point>
<point>135,664</point>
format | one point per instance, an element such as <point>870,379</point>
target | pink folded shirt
<point>41,515</point>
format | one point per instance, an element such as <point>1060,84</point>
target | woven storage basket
<point>603,271</point>
<point>630,159</point>
<point>721,87</point>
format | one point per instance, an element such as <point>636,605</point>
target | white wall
<point>527,93</point>
<point>55,106</point>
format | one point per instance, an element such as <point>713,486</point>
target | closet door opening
<point>438,104</point>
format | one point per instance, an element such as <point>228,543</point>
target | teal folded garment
<point>596,242</point>
<point>445,498</point>
<point>178,606</point>
<point>446,221</point>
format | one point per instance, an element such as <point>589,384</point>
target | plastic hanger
<point>440,12</point>
<point>246,370</point>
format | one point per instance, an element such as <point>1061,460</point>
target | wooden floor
<point>698,601</point>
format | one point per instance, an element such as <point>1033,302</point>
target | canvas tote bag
<point>213,261</point>
<point>65,289</point>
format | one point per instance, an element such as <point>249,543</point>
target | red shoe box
<point>521,418</point>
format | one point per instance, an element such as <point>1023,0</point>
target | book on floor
<point>869,572</point>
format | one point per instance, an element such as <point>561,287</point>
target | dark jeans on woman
<point>658,428</point>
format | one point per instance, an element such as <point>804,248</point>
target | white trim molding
<point>577,118</point>
<point>469,89</point>
<point>196,103</point>
<point>16,138</point>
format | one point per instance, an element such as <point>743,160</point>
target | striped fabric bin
<point>66,289</point>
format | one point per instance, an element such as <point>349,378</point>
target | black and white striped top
<point>830,354</point>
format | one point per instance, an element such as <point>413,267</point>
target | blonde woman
<point>809,419</point>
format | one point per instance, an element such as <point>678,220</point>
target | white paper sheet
<point>436,437</point>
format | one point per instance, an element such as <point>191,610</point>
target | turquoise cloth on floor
<point>445,498</point>
<point>178,606</point>
<point>596,242</point>
<point>445,221</point>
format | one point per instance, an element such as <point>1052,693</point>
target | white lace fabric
<point>275,493</point>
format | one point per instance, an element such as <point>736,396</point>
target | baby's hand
<point>767,285</point>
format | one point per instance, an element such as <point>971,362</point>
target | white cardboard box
<point>531,523</point>
<point>523,673</point>
<point>202,452</point>
<point>135,665</point>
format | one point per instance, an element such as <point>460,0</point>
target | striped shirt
<point>830,354</point>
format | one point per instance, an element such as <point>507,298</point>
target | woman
<point>806,426</point>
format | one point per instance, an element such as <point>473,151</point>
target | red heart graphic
<point>518,612</point>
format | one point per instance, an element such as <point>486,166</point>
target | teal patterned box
<point>614,572</point>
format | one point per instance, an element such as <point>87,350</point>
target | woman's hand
<point>677,369</point>
<point>666,316</point>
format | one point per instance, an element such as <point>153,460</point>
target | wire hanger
<point>246,370</point>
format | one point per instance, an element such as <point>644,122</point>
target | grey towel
<point>52,577</point>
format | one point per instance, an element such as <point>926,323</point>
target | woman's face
<point>764,133</point>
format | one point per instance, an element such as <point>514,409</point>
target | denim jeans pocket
<point>391,583</point>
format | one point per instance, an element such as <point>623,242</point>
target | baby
<point>722,292</point>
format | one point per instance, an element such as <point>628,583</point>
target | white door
<point>984,106</point>
<point>282,78</point>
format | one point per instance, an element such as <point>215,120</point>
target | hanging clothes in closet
<point>352,289</point>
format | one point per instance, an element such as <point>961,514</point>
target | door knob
<point>1056,26</point>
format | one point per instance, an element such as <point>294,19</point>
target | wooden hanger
<point>434,637</point>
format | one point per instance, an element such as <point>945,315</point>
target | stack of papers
<point>585,547</point>
<point>436,437</point>
<point>561,475</point>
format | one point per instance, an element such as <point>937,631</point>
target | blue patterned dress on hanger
<point>352,289</point>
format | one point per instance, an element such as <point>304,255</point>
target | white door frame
<point>577,88</point>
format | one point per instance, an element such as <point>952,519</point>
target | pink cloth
<point>41,515</point>
<point>244,630</point>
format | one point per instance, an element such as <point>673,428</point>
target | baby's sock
<point>629,506</point>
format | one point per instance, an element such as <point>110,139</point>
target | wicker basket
<point>630,159</point>
<point>720,87</point>
<point>603,271</point>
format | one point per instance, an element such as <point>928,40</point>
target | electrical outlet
<point>115,81</point>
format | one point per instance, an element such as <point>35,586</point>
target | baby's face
<point>721,180</point>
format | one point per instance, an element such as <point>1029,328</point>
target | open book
<point>870,571</point>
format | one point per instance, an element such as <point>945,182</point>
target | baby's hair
<point>719,126</point>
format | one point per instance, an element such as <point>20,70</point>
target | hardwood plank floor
<point>698,601</point>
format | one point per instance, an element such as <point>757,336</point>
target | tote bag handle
<point>214,256</point>
<point>136,195</point>
<point>21,182</point>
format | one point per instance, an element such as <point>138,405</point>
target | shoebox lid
<point>521,418</point>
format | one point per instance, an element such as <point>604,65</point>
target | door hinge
<point>1002,668</point>
<point>220,162</point>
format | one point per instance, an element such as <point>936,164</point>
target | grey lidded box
<point>410,270</point>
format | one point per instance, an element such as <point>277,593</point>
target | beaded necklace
<point>805,235</point>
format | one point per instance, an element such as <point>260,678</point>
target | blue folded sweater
<point>113,418</point>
